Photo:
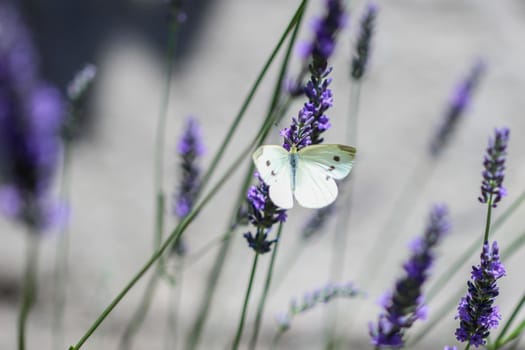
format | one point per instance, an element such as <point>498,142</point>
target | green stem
<point>240,327</point>
<point>452,302</point>
<point>140,313</point>
<point>29,291</point>
<point>177,232</point>
<point>62,254</point>
<point>267,283</point>
<point>276,339</point>
<point>227,139</point>
<point>487,222</point>
<point>342,226</point>
<point>438,285</point>
<point>196,331</point>
<point>160,136</point>
<point>142,310</point>
<point>499,340</point>
<point>175,297</point>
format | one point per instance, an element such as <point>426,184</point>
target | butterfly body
<point>307,174</point>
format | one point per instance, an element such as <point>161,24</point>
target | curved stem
<point>177,232</point>
<point>267,283</point>
<point>227,139</point>
<point>240,327</point>
<point>29,291</point>
<point>62,253</point>
<point>499,340</point>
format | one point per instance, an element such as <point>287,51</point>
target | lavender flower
<point>262,214</point>
<point>326,28</point>
<point>360,60</point>
<point>476,311</point>
<point>311,121</point>
<point>311,299</point>
<point>405,305</point>
<point>492,189</point>
<point>190,148</point>
<point>31,113</point>
<point>456,108</point>
<point>450,348</point>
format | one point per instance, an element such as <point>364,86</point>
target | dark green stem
<point>62,254</point>
<point>196,331</point>
<point>240,327</point>
<point>160,135</point>
<point>227,139</point>
<point>499,340</point>
<point>487,222</point>
<point>438,285</point>
<point>29,291</point>
<point>267,283</point>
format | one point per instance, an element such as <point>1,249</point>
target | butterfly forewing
<point>273,165</point>
<point>335,159</point>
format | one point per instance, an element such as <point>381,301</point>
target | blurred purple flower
<point>362,51</point>
<point>492,189</point>
<point>476,310</point>
<point>31,116</point>
<point>405,305</point>
<point>456,108</point>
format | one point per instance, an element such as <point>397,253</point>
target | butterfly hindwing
<point>273,165</point>
<point>313,187</point>
<point>335,159</point>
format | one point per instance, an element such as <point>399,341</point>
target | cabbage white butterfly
<point>307,174</point>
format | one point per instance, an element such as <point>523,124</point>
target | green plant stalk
<point>339,242</point>
<point>62,254</point>
<point>467,254</point>
<point>29,291</point>
<point>227,139</point>
<point>140,313</point>
<point>500,341</point>
<point>267,283</point>
<point>240,327</point>
<point>171,334</point>
<point>487,223</point>
<point>453,300</point>
<point>196,331</point>
<point>175,234</point>
<point>160,136</point>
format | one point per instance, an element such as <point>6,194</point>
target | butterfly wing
<point>313,187</point>
<point>335,159</point>
<point>317,167</point>
<point>273,165</point>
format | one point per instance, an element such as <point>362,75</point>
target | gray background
<point>421,50</point>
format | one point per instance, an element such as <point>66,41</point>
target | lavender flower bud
<point>311,299</point>
<point>405,305</point>
<point>190,148</point>
<point>82,81</point>
<point>360,60</point>
<point>459,102</point>
<point>492,189</point>
<point>476,310</point>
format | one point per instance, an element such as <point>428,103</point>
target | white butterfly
<point>307,174</point>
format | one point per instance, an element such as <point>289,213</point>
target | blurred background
<point>420,52</point>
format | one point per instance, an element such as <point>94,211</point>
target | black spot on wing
<point>337,158</point>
